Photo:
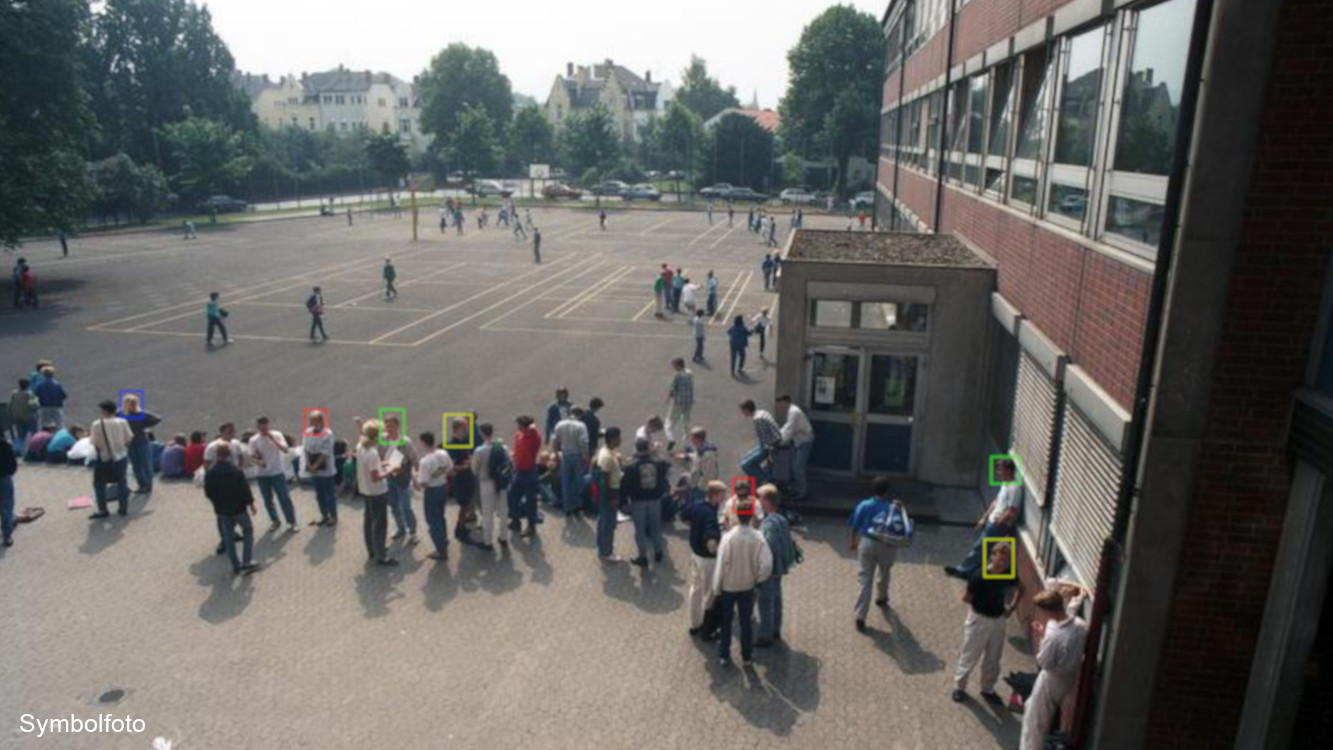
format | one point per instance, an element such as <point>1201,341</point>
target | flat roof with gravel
<point>885,248</point>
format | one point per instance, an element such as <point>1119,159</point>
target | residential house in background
<point>632,100</point>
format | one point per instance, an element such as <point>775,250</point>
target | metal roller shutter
<point>1034,424</point>
<point>1087,482</point>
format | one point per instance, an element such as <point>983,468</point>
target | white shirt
<point>115,444</point>
<point>481,459</point>
<point>761,322</point>
<point>368,459</point>
<point>570,436</point>
<point>237,453</point>
<point>610,466</point>
<point>319,445</point>
<point>703,466</point>
<point>688,294</point>
<point>726,515</point>
<point>1010,496</point>
<point>1061,653</point>
<point>270,453</point>
<point>434,468</point>
<point>743,560</point>
<point>796,428</point>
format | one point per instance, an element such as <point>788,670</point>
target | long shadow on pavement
<point>229,594</point>
<point>903,647</point>
<point>772,695</point>
<point>997,720</point>
<point>652,590</point>
<point>376,586</point>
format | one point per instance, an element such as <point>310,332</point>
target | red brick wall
<point>917,191</point>
<point>1090,305</point>
<point>891,86</point>
<point>1035,10</point>
<point>1244,474</point>
<point>982,23</point>
<point>928,62</point>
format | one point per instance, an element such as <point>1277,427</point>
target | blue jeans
<point>122,489</point>
<point>21,432</point>
<point>737,604</point>
<point>800,459</point>
<point>523,496</point>
<point>770,607</point>
<point>737,359</point>
<point>141,459</point>
<point>216,323</point>
<point>227,528</point>
<point>571,481</point>
<point>7,506</point>
<point>433,500</point>
<point>712,303</point>
<point>647,515</point>
<point>326,496</point>
<point>606,524</point>
<point>752,465</point>
<point>268,486</point>
<point>972,563</point>
<point>698,350</point>
<point>400,504</point>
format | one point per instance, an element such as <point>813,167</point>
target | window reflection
<point>1082,83</point>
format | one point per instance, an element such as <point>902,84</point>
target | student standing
<point>537,245</point>
<point>402,458</point>
<point>490,454</point>
<point>743,562</point>
<point>51,397</point>
<point>269,449</point>
<point>711,284</point>
<point>1063,639</point>
<point>991,600</point>
<point>389,275</point>
<point>800,435</point>
<point>464,477</point>
<point>705,535</point>
<point>111,438</point>
<point>761,324</point>
<point>557,411</point>
<point>9,466</point>
<point>710,213</point>
<point>739,338</point>
<point>233,504</point>
<point>680,397</point>
<point>215,313</point>
<point>314,304</point>
<point>23,410</point>
<point>570,442</point>
<point>700,331</point>
<point>593,422</point>
<point>601,220</point>
<point>777,533</point>
<point>767,267</point>
<point>659,296</point>
<point>645,484</point>
<point>523,494</point>
<point>371,482</point>
<point>141,448</point>
<point>317,443</point>
<point>607,477</point>
<point>433,479</point>
<point>731,216</point>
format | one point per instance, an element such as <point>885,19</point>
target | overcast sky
<point>744,41</point>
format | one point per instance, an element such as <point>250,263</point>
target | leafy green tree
<point>737,151</point>
<point>589,141</point>
<point>473,147</point>
<point>44,118</point>
<point>701,93</point>
<point>210,157</point>
<point>677,137</point>
<point>836,74</point>
<point>136,192</point>
<point>387,157</point>
<point>531,140</point>
<point>461,78</point>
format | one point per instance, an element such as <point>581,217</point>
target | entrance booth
<point>883,343</point>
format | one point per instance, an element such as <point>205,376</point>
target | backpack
<point>892,526</point>
<point>498,467</point>
<point>648,476</point>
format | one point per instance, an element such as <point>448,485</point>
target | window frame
<point>1072,175</point>
<point>1000,161</point>
<point>1035,168</point>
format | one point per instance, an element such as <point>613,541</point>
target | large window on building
<point>1079,98</point>
<point>934,117</point>
<point>1034,87</point>
<point>977,88</point>
<point>957,131</point>
<point>1000,128</point>
<point>1154,41</point>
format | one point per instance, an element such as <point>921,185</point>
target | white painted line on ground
<point>703,234</point>
<point>251,337</point>
<point>722,239</point>
<point>748,275</point>
<point>580,288</point>
<point>726,296</point>
<point>607,282</point>
<point>657,226</point>
<point>409,282</point>
<point>579,332</point>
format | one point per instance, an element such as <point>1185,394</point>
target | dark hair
<point>881,485</point>
<point>739,321</point>
<point>641,445</point>
<point>678,362</point>
<point>1006,463</point>
<point>427,439</point>
<point>23,382</point>
<point>108,406</point>
<point>197,436</point>
<point>784,397</point>
<point>524,421</point>
<point>612,433</point>
<point>212,295</point>
<point>596,403</point>
<point>261,420</point>
<point>748,405</point>
<point>576,412</point>
<point>486,429</point>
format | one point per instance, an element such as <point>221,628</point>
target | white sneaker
<point>293,529</point>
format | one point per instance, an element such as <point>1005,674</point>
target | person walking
<point>768,435</point>
<point>372,482</point>
<point>991,600</point>
<point>570,442</point>
<point>772,240</point>
<point>389,274</point>
<point>1063,639</point>
<point>799,434</point>
<point>998,520</point>
<point>537,245</point>
<point>523,493</point>
<point>710,213</point>
<point>680,398</point>
<point>268,448</point>
<point>397,452</point>
<point>700,332</point>
<point>111,438</point>
<point>51,397</point>
<point>520,234</point>
<point>141,422</point>
<point>705,536</point>
<point>317,443</point>
<point>872,517</point>
<point>743,562</point>
<point>593,423</point>
<point>463,481</point>
<point>493,466</point>
<point>233,504</point>
<point>659,296</point>
<point>433,480</point>
<point>644,484</point>
<point>601,220</point>
<point>9,466</point>
<point>711,285</point>
<point>739,337</point>
<point>215,313</point>
<point>762,325</point>
<point>731,215</point>
<point>607,482</point>
<point>16,278</point>
<point>767,267</point>
<point>314,304</point>
<point>777,533</point>
<point>189,230</point>
<point>29,283</point>
<point>444,220</point>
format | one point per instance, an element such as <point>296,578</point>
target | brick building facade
<point>1154,183</point>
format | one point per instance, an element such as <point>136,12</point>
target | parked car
<point>674,174</point>
<point>561,190</point>
<point>864,199</point>
<point>484,188</point>
<point>796,196</point>
<point>745,195</point>
<point>643,192</point>
<point>222,204</point>
<point>652,174</point>
<point>716,192</point>
<point>610,188</point>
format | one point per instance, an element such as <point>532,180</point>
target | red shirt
<point>194,457</point>
<point>526,444</point>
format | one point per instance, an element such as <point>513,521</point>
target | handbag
<point>104,472</point>
<point>892,527</point>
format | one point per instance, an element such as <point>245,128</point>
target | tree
<point>589,141</point>
<point>461,78</point>
<point>210,157</point>
<point>388,157</point>
<point>44,117</point>
<point>836,74</point>
<point>473,147</point>
<point>737,151</point>
<point>676,138</point>
<point>137,192</point>
<point>531,140</point>
<point>702,94</point>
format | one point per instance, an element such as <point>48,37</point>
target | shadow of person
<point>229,594</point>
<point>103,533</point>
<point>376,586</point>
<point>535,558</point>
<point>579,533</point>
<point>492,573</point>
<point>440,587</point>
<point>996,719</point>
<point>757,701</point>
<point>269,546</point>
<point>792,674</point>
<point>833,535</point>
<point>321,544</point>
<point>903,647</point>
<point>651,590</point>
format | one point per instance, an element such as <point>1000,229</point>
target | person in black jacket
<point>9,465</point>
<point>644,484</point>
<point>141,421</point>
<point>226,488</point>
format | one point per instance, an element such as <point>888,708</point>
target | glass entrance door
<point>863,407</point>
<point>835,403</point>
<point>891,398</point>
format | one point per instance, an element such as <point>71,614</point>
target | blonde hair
<point>768,492</point>
<point>129,399</point>
<point>370,433</point>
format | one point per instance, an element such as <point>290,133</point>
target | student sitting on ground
<point>35,448</point>
<point>61,442</point>
<point>194,453</point>
<point>172,464</point>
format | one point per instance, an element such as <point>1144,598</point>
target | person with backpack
<point>879,526</point>
<point>495,474</point>
<point>644,484</point>
<point>314,304</point>
<point>400,477</point>
<point>998,520</point>
<point>705,536</point>
<point>777,533</point>
<point>23,410</point>
<point>389,274</point>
